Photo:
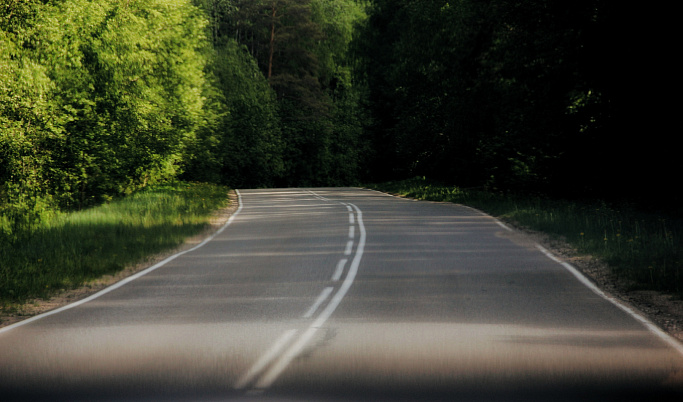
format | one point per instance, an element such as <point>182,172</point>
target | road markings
<point>349,247</point>
<point>504,226</point>
<point>339,270</point>
<point>266,359</point>
<point>279,359</point>
<point>279,366</point>
<point>321,298</point>
<point>674,343</point>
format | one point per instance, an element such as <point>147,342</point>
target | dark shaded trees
<point>536,95</point>
<point>300,47</point>
<point>251,145</point>
<point>243,147</point>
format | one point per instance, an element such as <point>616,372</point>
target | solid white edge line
<point>321,298</point>
<point>281,364</point>
<point>671,341</point>
<point>130,278</point>
<point>504,226</point>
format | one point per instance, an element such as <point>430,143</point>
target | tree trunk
<point>272,44</point>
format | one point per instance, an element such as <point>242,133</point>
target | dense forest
<point>101,98</point>
<point>565,98</point>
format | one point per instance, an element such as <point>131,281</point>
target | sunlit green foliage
<point>97,99</point>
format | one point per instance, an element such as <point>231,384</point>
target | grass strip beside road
<point>644,248</point>
<point>70,249</point>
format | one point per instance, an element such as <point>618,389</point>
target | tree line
<point>101,98</point>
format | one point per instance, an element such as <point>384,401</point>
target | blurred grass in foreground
<point>69,249</point>
<point>645,248</point>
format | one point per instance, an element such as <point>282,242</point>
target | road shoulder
<point>664,310</point>
<point>65,297</point>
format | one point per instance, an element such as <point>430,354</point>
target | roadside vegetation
<point>645,248</point>
<point>66,250</point>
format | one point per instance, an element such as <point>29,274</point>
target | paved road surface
<point>346,294</point>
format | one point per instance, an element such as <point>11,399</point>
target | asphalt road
<point>346,294</point>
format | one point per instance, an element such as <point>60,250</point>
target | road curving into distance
<point>346,294</point>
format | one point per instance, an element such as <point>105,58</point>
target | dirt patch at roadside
<point>39,306</point>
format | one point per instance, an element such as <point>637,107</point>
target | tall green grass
<point>68,249</point>
<point>644,248</point>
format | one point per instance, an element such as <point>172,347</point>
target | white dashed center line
<point>280,355</point>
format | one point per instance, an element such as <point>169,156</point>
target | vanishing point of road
<point>346,294</point>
